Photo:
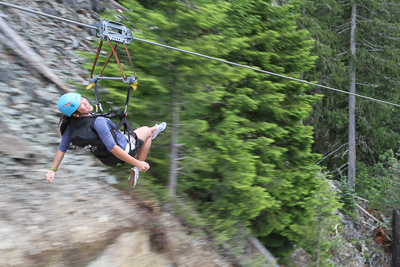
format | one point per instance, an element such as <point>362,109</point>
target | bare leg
<point>144,133</point>
<point>144,150</point>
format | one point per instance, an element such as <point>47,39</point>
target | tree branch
<point>370,215</point>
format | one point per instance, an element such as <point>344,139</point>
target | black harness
<point>85,136</point>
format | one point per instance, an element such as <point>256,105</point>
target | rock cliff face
<point>357,241</point>
<point>79,219</point>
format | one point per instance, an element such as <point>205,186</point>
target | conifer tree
<point>168,78</point>
<point>376,71</point>
<point>250,154</point>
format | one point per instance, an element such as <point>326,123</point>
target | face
<point>84,106</point>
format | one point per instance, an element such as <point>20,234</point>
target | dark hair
<point>64,121</point>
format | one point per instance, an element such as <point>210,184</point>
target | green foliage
<point>248,154</point>
<point>316,235</point>
<point>346,197</point>
<point>380,183</point>
<point>377,71</point>
<point>373,181</point>
<point>162,71</point>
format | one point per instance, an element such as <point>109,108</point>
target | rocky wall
<point>79,219</point>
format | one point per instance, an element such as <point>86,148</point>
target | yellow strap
<point>90,86</point>
<point>134,86</point>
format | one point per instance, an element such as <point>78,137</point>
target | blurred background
<point>234,179</point>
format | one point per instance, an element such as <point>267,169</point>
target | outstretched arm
<point>122,155</point>
<point>57,160</point>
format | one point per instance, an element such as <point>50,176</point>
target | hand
<point>50,175</point>
<point>142,166</point>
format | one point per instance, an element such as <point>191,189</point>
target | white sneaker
<point>133,177</point>
<point>160,127</point>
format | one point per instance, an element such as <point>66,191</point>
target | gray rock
<point>51,12</point>
<point>12,112</point>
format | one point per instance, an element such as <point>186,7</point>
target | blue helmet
<point>69,103</point>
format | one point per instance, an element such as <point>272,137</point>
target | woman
<point>99,136</point>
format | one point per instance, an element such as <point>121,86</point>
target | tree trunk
<point>396,239</point>
<point>173,168</point>
<point>352,99</point>
<point>269,258</point>
<point>318,244</point>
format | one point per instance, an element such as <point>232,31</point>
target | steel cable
<point>201,55</point>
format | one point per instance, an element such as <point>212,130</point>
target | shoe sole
<point>157,132</point>
<point>132,180</point>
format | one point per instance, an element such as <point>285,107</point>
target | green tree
<point>250,154</point>
<point>380,183</point>
<point>168,78</point>
<point>376,72</point>
<point>317,235</point>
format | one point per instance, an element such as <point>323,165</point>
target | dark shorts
<point>138,144</point>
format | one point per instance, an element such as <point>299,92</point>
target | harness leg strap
<point>127,127</point>
<point>98,104</point>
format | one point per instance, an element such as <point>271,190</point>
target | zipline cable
<point>263,71</point>
<point>201,55</point>
<point>47,15</point>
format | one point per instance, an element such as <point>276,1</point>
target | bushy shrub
<point>380,183</point>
